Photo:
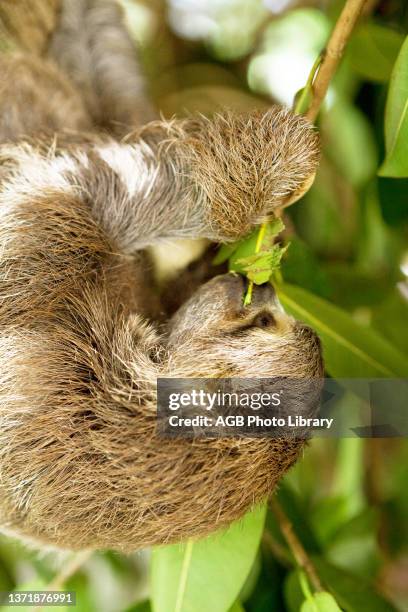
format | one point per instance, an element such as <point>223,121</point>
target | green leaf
<point>237,607</point>
<point>354,546</point>
<point>275,226</point>
<point>390,319</point>
<point>37,584</point>
<point>260,266</point>
<point>393,200</point>
<point>396,119</point>
<point>373,50</point>
<point>143,606</point>
<point>352,593</point>
<point>349,142</point>
<point>320,602</point>
<point>246,246</point>
<point>349,473</point>
<point>206,575</point>
<point>351,288</point>
<point>255,258</point>
<point>224,253</point>
<point>378,249</point>
<point>320,218</point>
<point>292,591</point>
<point>302,267</point>
<point>328,515</point>
<point>350,350</point>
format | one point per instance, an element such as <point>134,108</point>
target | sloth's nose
<point>236,285</point>
<point>266,294</point>
<point>232,283</point>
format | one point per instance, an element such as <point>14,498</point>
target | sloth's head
<point>214,335</point>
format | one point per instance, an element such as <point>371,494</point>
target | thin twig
<point>259,240</point>
<point>301,557</point>
<point>333,54</point>
<point>278,550</point>
<point>301,100</point>
<point>65,574</point>
<point>319,79</point>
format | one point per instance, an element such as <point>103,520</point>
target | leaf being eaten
<point>260,266</point>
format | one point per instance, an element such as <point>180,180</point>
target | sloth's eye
<point>264,319</point>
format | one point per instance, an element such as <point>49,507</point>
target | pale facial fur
<point>80,351</point>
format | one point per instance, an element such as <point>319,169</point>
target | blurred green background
<point>347,499</point>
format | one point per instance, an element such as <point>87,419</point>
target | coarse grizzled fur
<point>81,345</point>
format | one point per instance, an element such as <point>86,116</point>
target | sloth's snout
<point>231,285</point>
<point>265,294</point>
<point>235,286</point>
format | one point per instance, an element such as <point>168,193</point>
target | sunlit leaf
<point>348,478</point>
<point>260,266</point>
<point>257,256</point>
<point>320,602</point>
<point>396,119</point>
<point>206,575</point>
<point>237,607</point>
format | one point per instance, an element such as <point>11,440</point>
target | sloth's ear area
<point>249,164</point>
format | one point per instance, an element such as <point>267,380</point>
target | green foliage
<point>289,47</point>
<point>390,318</point>
<point>396,119</point>
<point>348,237</point>
<point>373,50</point>
<point>351,594</point>
<point>143,606</point>
<point>320,602</point>
<point>350,350</point>
<point>349,142</point>
<point>206,575</point>
<point>300,266</point>
<point>255,256</point>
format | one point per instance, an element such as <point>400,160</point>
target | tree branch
<point>318,83</point>
<point>301,557</point>
<point>333,54</point>
<point>71,568</point>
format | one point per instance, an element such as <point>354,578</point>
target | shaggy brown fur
<point>80,463</point>
<point>28,23</point>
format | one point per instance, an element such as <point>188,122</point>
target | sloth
<point>87,183</point>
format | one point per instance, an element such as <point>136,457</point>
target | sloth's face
<point>216,331</point>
